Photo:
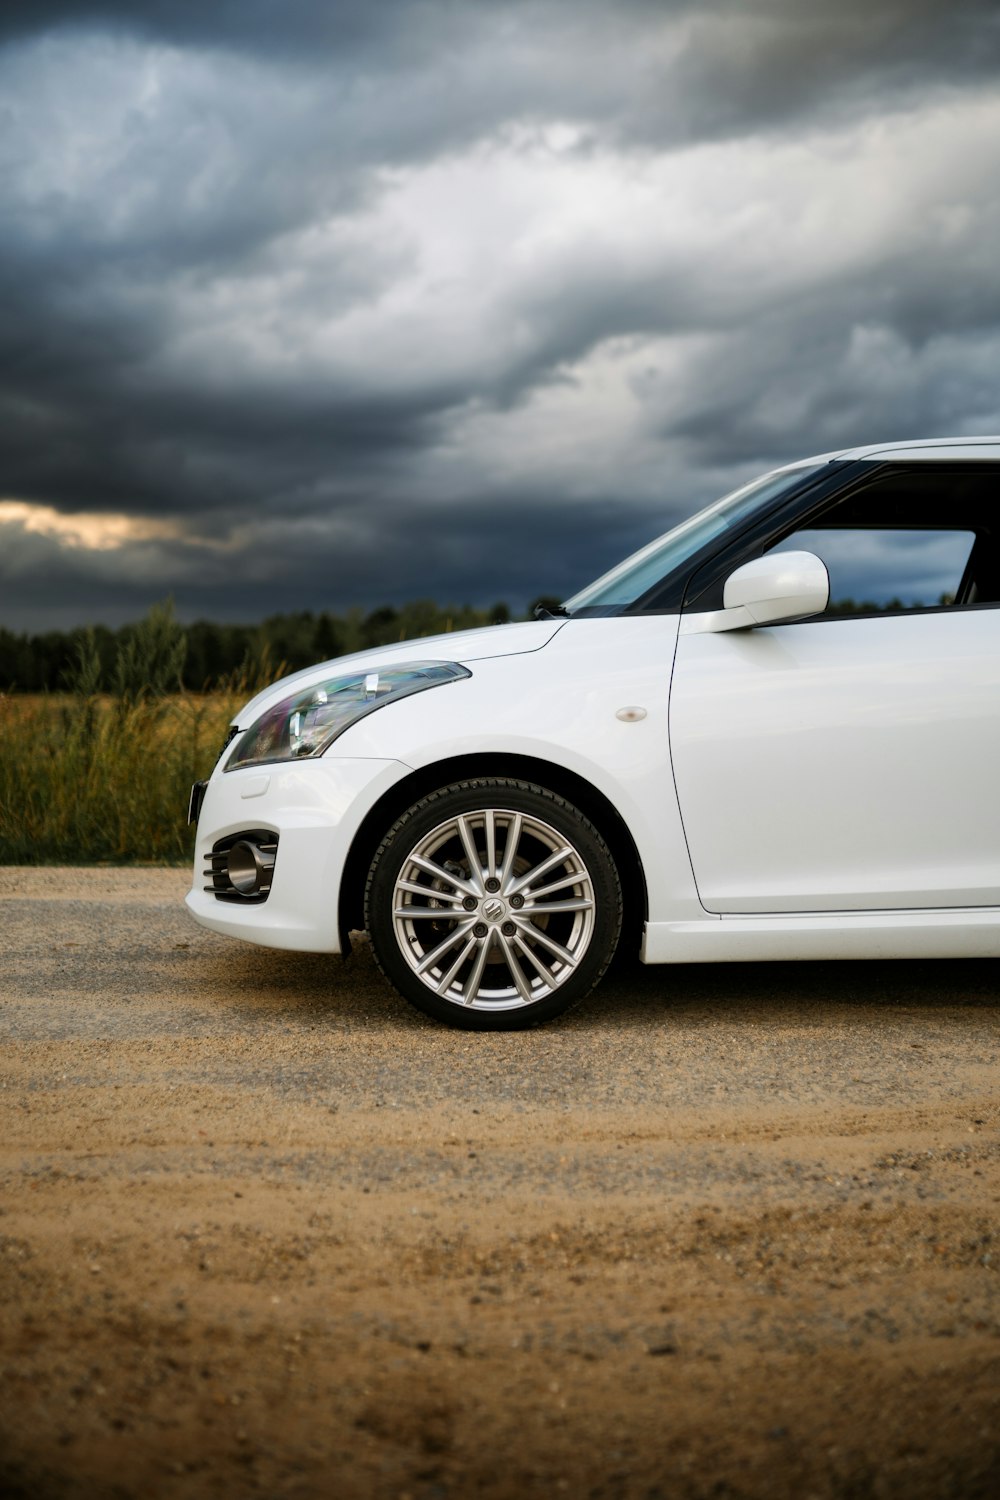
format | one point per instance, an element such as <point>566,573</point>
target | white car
<point>774,733</point>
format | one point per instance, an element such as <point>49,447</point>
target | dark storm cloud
<point>656,71</point>
<point>777,60</point>
<point>287,275</point>
<point>387,554</point>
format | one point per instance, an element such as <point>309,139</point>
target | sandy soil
<point>724,1232</point>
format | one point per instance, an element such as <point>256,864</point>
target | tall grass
<point>92,778</point>
<point>99,782</point>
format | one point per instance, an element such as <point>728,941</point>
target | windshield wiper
<point>548,609</point>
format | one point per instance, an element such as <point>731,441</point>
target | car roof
<point>926,448</point>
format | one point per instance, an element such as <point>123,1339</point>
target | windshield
<point>627,582</point>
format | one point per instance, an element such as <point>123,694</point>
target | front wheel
<point>493,904</point>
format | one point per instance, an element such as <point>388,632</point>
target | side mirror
<point>780,586</point>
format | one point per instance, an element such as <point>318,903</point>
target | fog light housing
<point>249,868</point>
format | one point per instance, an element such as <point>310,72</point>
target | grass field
<point>89,779</point>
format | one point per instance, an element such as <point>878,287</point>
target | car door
<point>851,762</point>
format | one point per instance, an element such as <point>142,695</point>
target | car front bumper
<point>315,807</point>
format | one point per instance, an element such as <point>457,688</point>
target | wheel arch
<point>576,789</point>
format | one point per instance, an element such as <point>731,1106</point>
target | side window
<point>874,568</point>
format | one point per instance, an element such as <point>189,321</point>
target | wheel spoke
<point>510,850</point>
<point>533,959</point>
<point>470,988</point>
<point>559,857</point>
<point>490,832</point>
<point>438,872</point>
<point>407,913</point>
<point>547,908</point>
<point>444,984</point>
<point>538,936</point>
<point>573,878</point>
<point>459,931</point>
<point>514,968</point>
<point>426,890</point>
<point>471,853</point>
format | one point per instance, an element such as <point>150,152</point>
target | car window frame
<point>705,584</point>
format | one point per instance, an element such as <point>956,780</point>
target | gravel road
<point>264,1231</point>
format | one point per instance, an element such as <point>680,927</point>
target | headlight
<point>308,722</point>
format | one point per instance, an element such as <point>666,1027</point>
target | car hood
<point>462,646</point>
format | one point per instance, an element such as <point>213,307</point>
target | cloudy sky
<point>320,303</point>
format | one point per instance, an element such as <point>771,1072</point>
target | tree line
<point>205,656</point>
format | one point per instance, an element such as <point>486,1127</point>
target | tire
<point>493,905</point>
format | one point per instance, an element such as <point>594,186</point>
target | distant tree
<point>14,661</point>
<point>329,638</point>
<point>155,655</point>
<point>381,627</point>
<point>290,639</point>
<point>54,654</point>
<point>208,659</point>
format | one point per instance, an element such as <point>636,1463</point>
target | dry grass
<point>91,779</point>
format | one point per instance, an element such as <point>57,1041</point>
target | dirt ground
<point>264,1231</point>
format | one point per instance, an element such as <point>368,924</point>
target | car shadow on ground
<point>328,990</point>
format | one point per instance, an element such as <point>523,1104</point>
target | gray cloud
<point>658,68</point>
<point>381,301</point>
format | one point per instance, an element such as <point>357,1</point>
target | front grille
<point>217,872</point>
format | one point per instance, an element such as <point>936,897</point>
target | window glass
<point>640,572</point>
<point>901,568</point>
